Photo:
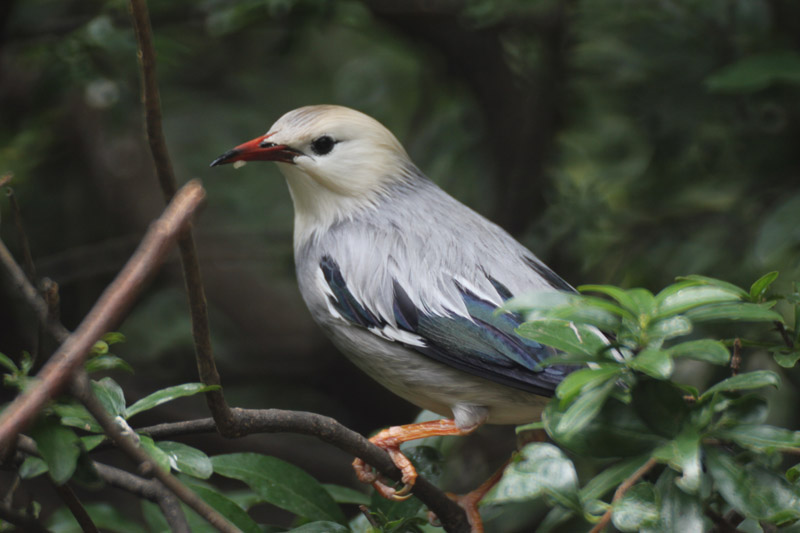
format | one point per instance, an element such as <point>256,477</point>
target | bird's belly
<point>432,385</point>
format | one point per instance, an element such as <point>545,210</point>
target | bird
<point>408,282</point>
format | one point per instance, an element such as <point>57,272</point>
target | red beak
<point>259,149</point>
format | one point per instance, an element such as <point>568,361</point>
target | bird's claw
<point>366,474</point>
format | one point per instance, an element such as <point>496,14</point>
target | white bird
<point>406,280</point>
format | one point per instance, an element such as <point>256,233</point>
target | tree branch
<point>206,367</point>
<point>105,314</point>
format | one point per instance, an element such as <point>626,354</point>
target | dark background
<point>624,142</point>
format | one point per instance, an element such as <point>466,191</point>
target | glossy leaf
<point>583,410</point>
<point>759,288</point>
<point>760,437</point>
<point>683,455</point>
<point>187,459</point>
<point>76,415</point>
<point>655,363</point>
<point>678,511</point>
<point>749,380</point>
<point>281,484</point>
<point>59,447</point>
<point>705,280</point>
<point>620,295</point>
<point>637,509</point>
<point>786,359</point>
<point>108,518</point>
<point>751,489</point>
<point>227,507</point>
<point>564,335</point>
<point>156,454</point>
<point>691,296</point>
<point>745,312</point>
<point>585,378</point>
<point>707,350</point>
<point>110,394</point>
<point>167,395</point>
<point>107,362</point>
<point>670,327</point>
<point>539,469</point>
<point>31,467</point>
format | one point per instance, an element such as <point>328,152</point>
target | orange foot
<point>390,440</point>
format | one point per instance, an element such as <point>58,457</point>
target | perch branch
<point>105,314</point>
<point>206,367</point>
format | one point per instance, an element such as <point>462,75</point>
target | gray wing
<point>473,338</point>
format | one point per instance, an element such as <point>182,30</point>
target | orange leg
<point>469,502</point>
<point>390,440</point>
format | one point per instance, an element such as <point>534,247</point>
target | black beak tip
<point>224,158</point>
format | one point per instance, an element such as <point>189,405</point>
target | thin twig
<point>27,258</point>
<point>76,508</point>
<point>206,367</point>
<point>105,314</point>
<point>787,339</point>
<point>25,522</point>
<point>82,389</point>
<point>620,492</point>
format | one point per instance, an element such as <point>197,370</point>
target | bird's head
<point>331,148</point>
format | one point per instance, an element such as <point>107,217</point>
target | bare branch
<point>105,314</point>
<point>81,388</point>
<point>75,507</point>
<point>249,421</point>
<point>206,367</point>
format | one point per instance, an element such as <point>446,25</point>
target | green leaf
<point>746,312</point>
<point>689,296</point>
<point>325,527</point>
<point>58,446</point>
<point>9,365</point>
<point>539,469</point>
<point>167,395</point>
<point>281,484</point>
<point>564,335</point>
<point>107,362</point>
<point>187,459</point>
<point>110,394</point>
<point>760,437</point>
<point>751,489</point>
<point>76,415</point>
<point>644,302</point>
<point>620,295</point>
<point>749,380</point>
<point>106,517</point>
<point>661,406</point>
<point>683,455</point>
<point>756,72</point>
<point>667,328</point>
<point>342,494</point>
<point>583,410</point>
<point>585,378</point>
<point>156,454</point>
<point>113,337</point>
<point>32,467</point>
<point>710,351</point>
<point>786,359</point>
<point>679,511</point>
<point>637,509</point>
<point>226,507</point>
<point>704,280</point>
<point>793,474</point>
<point>759,288</point>
<point>616,431</point>
<point>655,363</point>
<point>91,442</point>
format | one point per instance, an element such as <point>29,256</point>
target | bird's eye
<point>322,145</point>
